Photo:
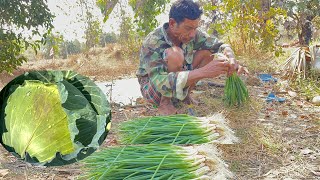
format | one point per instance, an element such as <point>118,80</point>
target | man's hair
<point>182,9</point>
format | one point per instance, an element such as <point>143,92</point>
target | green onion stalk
<point>155,162</point>
<point>235,92</point>
<point>176,129</point>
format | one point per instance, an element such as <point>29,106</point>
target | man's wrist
<point>232,60</point>
<point>194,76</point>
<point>198,73</point>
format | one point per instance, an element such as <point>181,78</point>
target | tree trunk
<point>306,31</point>
<point>265,7</point>
<point>214,17</point>
<point>301,40</point>
<point>306,34</point>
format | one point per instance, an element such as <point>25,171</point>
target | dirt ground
<point>278,140</point>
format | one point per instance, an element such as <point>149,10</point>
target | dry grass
<point>260,64</point>
<point>251,55</point>
<point>268,140</point>
<point>254,57</point>
<point>263,151</point>
<point>99,63</point>
<point>5,78</point>
<point>252,157</point>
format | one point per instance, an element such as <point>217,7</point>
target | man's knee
<point>175,58</point>
<point>201,58</point>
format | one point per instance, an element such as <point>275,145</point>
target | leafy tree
<point>92,33</point>
<point>93,28</point>
<point>302,13</point>
<point>129,38</point>
<point>316,22</point>
<point>52,45</point>
<point>69,47</point>
<point>212,13</point>
<point>250,20</point>
<point>106,7</point>
<point>17,15</point>
<point>74,47</point>
<point>254,23</point>
<point>145,12</point>
<point>107,38</point>
<point>126,29</point>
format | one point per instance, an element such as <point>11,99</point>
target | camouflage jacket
<point>155,68</point>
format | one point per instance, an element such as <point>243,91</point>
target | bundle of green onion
<point>235,92</point>
<point>155,162</point>
<point>176,129</point>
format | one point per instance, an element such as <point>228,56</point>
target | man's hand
<point>236,67</point>
<point>212,69</point>
<point>234,64</point>
<point>242,70</point>
<point>216,68</point>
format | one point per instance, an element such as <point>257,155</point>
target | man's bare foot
<point>167,110</point>
<point>166,107</point>
<point>189,100</point>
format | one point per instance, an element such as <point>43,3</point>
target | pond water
<point>124,91</point>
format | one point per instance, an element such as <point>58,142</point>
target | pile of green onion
<point>154,162</point>
<point>235,92</point>
<point>176,129</point>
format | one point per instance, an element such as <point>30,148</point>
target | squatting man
<point>176,55</point>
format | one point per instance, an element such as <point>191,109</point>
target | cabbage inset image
<point>53,117</point>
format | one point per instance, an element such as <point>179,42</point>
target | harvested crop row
<point>156,162</point>
<point>176,129</point>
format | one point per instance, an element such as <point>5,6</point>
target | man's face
<point>186,30</point>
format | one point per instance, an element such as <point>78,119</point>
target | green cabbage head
<point>53,117</point>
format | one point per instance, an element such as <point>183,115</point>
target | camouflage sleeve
<point>168,84</point>
<point>205,42</point>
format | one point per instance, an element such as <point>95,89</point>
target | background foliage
<point>18,15</point>
<point>250,26</point>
